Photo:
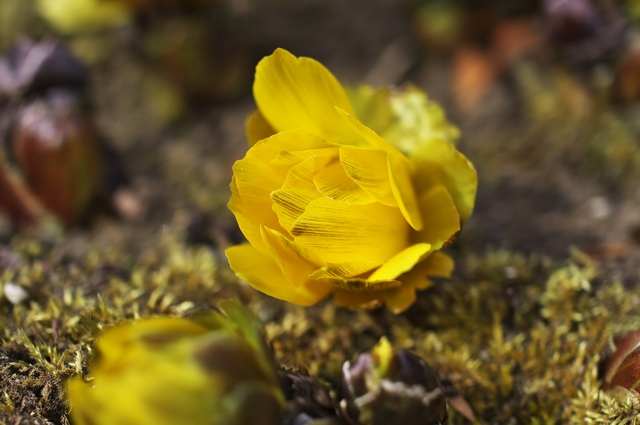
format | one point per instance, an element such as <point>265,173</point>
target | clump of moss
<point>519,337</point>
<point>48,338</point>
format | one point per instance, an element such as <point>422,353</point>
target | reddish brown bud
<point>59,153</point>
<point>628,73</point>
<point>622,367</point>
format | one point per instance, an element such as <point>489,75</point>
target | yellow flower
<point>72,16</point>
<point>328,206</point>
<point>164,370</point>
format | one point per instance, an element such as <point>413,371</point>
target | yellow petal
<point>255,177</point>
<point>405,118</point>
<point>440,218</point>
<point>365,136</point>
<point>439,163</point>
<point>369,169</point>
<point>437,264</point>
<point>343,270</point>
<point>341,233</point>
<point>402,297</point>
<point>262,272</point>
<point>334,183</point>
<point>399,299</point>
<point>372,106</point>
<point>300,93</point>
<point>250,227</point>
<point>298,190</point>
<point>416,119</point>
<point>291,141</point>
<point>289,204</point>
<point>403,191</point>
<point>295,262</point>
<point>360,284</point>
<point>295,157</point>
<point>301,175</point>
<point>400,263</point>
<point>371,139</point>
<point>354,299</point>
<point>257,128</point>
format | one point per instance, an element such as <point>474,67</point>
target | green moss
<point>48,338</point>
<point>519,337</point>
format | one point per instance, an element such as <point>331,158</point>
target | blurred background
<point>148,100</point>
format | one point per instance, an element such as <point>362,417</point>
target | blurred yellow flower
<point>329,206</point>
<point>72,16</point>
<point>165,371</point>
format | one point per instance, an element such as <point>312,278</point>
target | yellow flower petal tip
<point>350,192</point>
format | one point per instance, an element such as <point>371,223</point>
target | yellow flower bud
<point>350,197</point>
<point>164,370</point>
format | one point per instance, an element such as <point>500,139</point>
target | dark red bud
<point>16,200</point>
<point>628,73</point>
<point>59,153</point>
<point>622,367</point>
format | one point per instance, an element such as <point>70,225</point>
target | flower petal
<point>403,191</point>
<point>250,229</point>
<point>343,270</point>
<point>295,157</point>
<point>295,262</point>
<point>298,190</point>
<point>289,204</point>
<point>352,299</point>
<point>417,119</point>
<point>366,137</point>
<point>291,141</point>
<point>301,175</point>
<point>262,272</point>
<point>401,262</point>
<point>368,168</point>
<point>257,128</point>
<point>256,176</point>
<point>399,299</point>
<point>360,284</point>
<point>253,181</point>
<point>334,183</point>
<point>440,218</point>
<point>437,264</point>
<point>300,93</point>
<point>341,233</point>
<point>439,163</point>
<point>372,106</point>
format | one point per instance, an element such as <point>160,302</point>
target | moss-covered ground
<point>547,271</point>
